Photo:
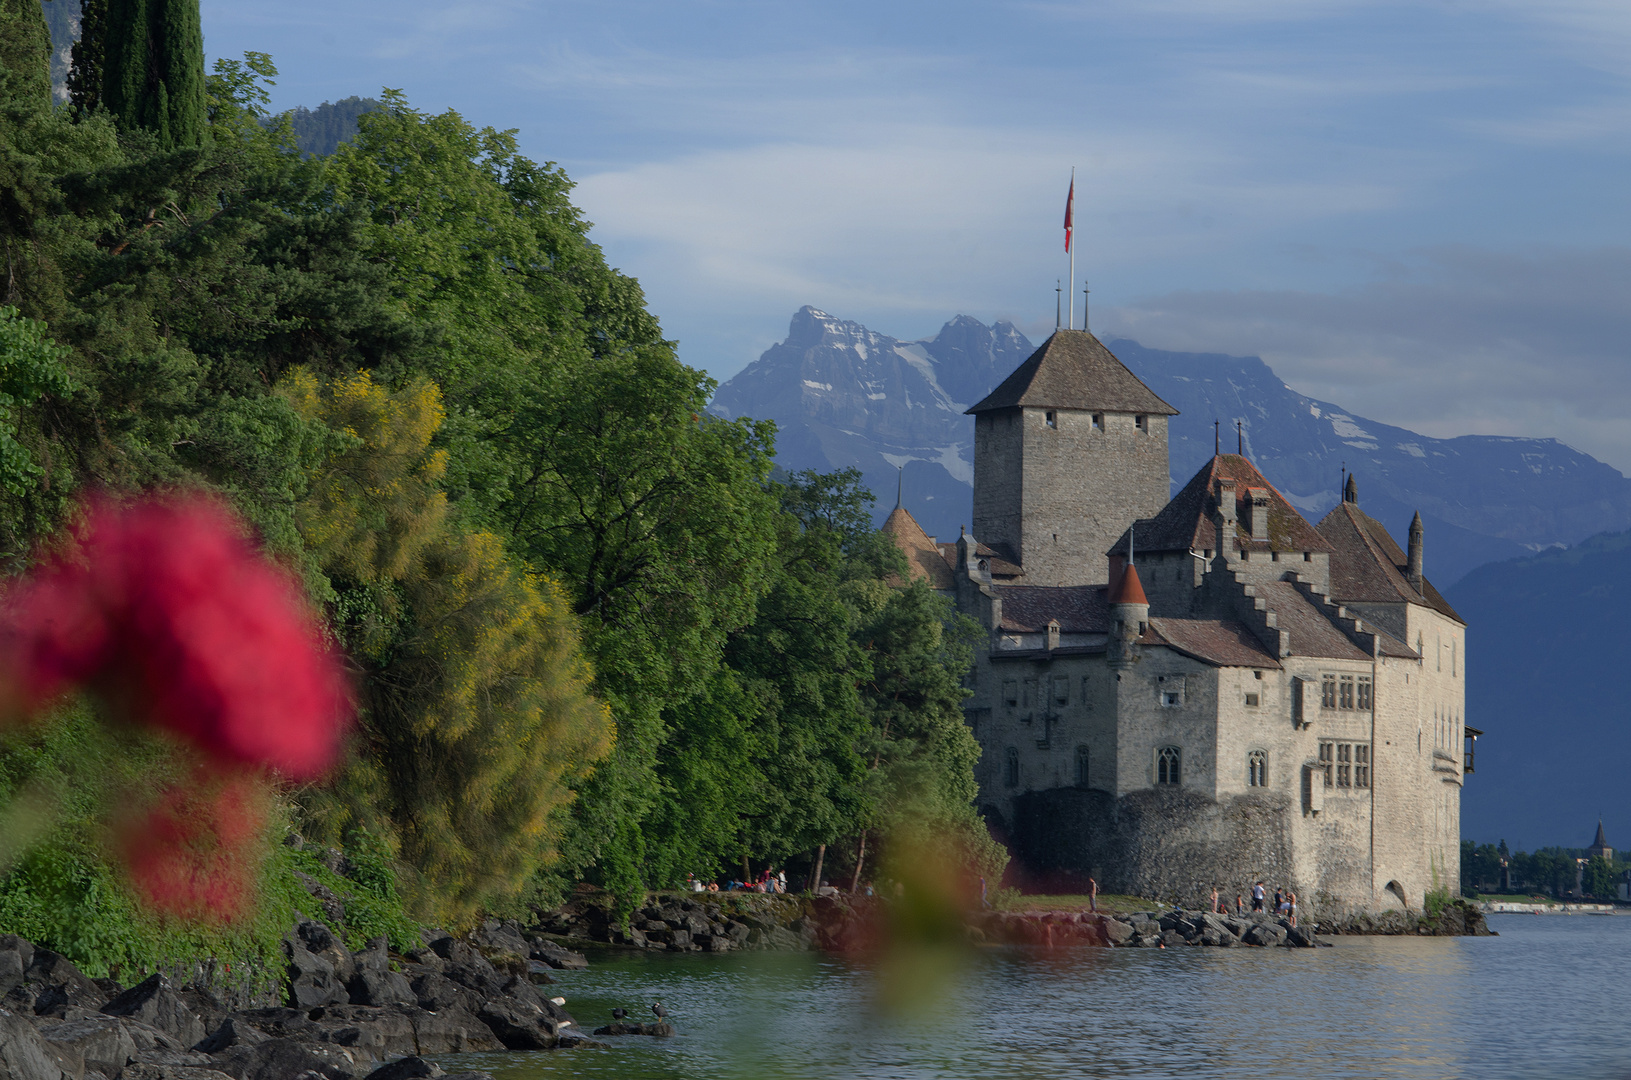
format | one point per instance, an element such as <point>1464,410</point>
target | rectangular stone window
<point>1345,692</point>
<point>1098,421</point>
<point>1010,693</point>
<point>1364,688</point>
<point>1328,691</point>
<point>1346,765</point>
<point>1252,701</point>
<point>1029,696</point>
<point>1141,422</point>
<point>1171,699</point>
<point>1052,419</point>
<point>1061,690</point>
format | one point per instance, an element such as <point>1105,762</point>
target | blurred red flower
<point>166,609</point>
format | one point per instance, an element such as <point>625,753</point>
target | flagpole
<point>1072,289</point>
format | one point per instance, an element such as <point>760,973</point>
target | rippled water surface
<point>1547,998</point>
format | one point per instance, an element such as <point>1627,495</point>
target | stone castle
<point>1176,694</point>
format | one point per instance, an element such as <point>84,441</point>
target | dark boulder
<point>154,1003</point>
<point>412,1067</point>
<point>369,987</point>
<point>555,955</point>
<point>436,992</point>
<point>312,981</point>
<point>286,1059</point>
<point>519,1027</point>
<point>231,1032</point>
<point>660,1030</point>
<point>24,1055</point>
<point>105,1043</point>
<point>321,941</point>
<point>454,1030</point>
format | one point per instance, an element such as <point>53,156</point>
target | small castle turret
<point>1129,616</point>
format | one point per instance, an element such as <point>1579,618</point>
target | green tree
<point>25,50</point>
<point>152,68</point>
<point>477,718</point>
<point>1598,879</point>
<point>30,368</point>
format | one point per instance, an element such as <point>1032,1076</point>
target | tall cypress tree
<point>151,73</point>
<point>85,70</point>
<point>25,49</point>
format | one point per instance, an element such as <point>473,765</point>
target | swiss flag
<point>1070,208</point>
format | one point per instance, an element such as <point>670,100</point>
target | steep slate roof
<point>1367,565</point>
<point>1073,370</point>
<point>1601,840</point>
<point>1079,609</point>
<point>922,556</point>
<point>1312,632</point>
<point>995,559</point>
<point>1221,643</point>
<point>1185,523</point>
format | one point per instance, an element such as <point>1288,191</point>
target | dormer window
<point>1141,422</point>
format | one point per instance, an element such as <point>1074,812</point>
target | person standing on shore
<point>1291,907</point>
<point>1092,895</point>
<point>1257,897</point>
<point>1240,905</point>
<point>1215,909</point>
<point>1279,898</point>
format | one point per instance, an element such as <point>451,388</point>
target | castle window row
<point>1345,765</point>
<point>1346,692</point>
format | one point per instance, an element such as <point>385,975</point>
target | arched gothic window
<point>1257,769</point>
<point>1081,767</point>
<point>1169,765</point>
<point>1012,773</point>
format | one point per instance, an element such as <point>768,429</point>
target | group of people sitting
<point>1285,902</point>
<point>767,882</point>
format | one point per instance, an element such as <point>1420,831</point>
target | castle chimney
<point>1223,492</point>
<point>1415,553</point>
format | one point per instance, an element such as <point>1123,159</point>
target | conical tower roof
<point>1073,370</point>
<point>1601,841</point>
<point>1129,590</point>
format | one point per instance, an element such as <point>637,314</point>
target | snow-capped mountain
<point>843,395</point>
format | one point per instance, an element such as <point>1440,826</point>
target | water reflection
<point>1541,1000</point>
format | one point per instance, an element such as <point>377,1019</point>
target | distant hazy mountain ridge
<point>844,395</point>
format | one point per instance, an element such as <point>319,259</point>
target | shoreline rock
<point>341,1016</point>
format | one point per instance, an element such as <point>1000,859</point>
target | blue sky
<point>1418,210</point>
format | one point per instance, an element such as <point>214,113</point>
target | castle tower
<point>1068,451</point>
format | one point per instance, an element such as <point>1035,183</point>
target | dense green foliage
<point>1552,871</point>
<point>63,781</point>
<point>593,637</point>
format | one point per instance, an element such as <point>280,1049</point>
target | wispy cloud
<point>1459,340</point>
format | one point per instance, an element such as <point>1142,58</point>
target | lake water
<point>1547,998</point>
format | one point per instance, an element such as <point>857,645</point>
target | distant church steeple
<point>1599,846</point>
<point>1350,491</point>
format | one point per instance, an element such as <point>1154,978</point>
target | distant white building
<point>1204,691</point>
